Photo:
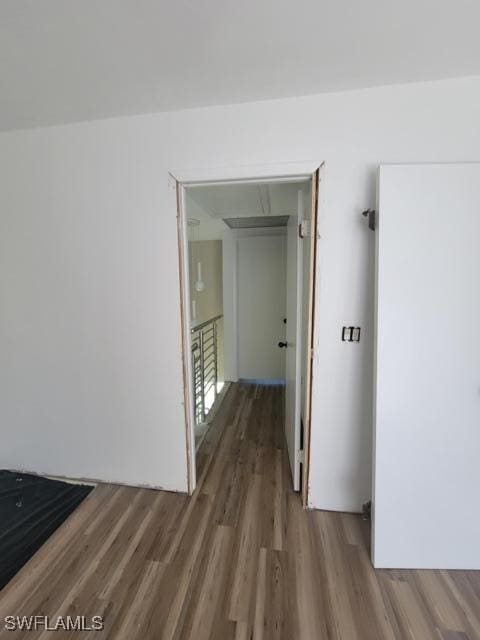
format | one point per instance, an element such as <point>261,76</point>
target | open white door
<point>427,423</point>
<point>293,340</point>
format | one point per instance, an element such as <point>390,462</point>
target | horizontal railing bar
<point>204,324</point>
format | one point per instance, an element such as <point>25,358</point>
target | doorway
<point>247,249</point>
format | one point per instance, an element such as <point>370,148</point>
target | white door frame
<point>178,180</point>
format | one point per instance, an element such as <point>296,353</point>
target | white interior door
<point>261,307</point>
<point>293,340</point>
<point>427,424</point>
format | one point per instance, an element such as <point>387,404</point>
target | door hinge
<point>371,216</point>
<point>301,456</point>
<point>304,229</point>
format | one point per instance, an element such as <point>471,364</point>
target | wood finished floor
<point>238,560</point>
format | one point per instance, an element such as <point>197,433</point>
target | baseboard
<point>95,481</point>
<point>266,382</point>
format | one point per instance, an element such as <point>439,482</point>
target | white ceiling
<point>209,204</point>
<point>68,60</point>
<point>248,199</point>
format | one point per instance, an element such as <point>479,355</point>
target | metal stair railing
<point>205,366</point>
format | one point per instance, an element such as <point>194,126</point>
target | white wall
<point>209,302</point>
<point>89,336</point>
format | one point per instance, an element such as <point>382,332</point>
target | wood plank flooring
<point>239,560</point>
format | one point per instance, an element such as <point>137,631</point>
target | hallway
<point>240,559</point>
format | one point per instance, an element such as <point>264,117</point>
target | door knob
<point>283,345</point>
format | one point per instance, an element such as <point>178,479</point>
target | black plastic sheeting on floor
<point>31,509</point>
